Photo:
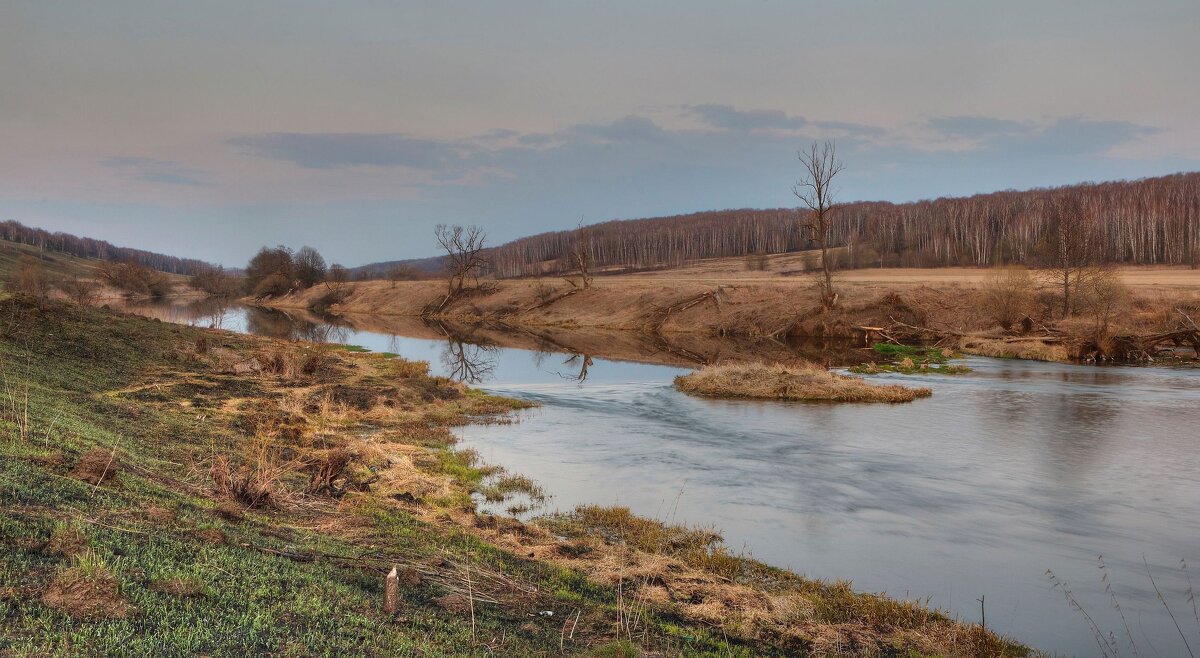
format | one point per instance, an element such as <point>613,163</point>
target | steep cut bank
<point>712,299</point>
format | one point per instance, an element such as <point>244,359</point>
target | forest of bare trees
<point>91,248</point>
<point>1149,221</point>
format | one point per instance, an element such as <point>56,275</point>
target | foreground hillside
<point>168,491</point>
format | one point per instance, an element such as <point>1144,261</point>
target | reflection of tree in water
<point>584,361</point>
<point>468,362</point>
<point>322,333</point>
<point>209,312</point>
<point>276,324</point>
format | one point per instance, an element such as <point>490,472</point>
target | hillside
<point>56,264</point>
<point>91,248</point>
<point>1153,221</point>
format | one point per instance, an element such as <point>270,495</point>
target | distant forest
<point>1149,221</point>
<point>98,249</point>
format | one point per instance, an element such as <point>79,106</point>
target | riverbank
<point>909,305</point>
<point>233,494</point>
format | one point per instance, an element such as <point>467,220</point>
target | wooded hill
<point>1148,221</point>
<point>74,245</point>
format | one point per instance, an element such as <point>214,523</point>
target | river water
<point>1005,473</point>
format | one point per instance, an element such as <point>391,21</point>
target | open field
<point>166,490</point>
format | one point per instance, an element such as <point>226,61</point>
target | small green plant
<point>910,360</point>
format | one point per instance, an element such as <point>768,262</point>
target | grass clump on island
<point>910,360</point>
<point>803,381</point>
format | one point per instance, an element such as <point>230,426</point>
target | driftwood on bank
<point>659,315</point>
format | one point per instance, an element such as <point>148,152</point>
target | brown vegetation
<point>135,279</point>
<point>790,382</point>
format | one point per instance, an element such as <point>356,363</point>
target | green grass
<point>912,360</point>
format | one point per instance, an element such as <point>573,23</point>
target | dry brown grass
<point>1032,349</point>
<point>257,480</point>
<point>805,381</point>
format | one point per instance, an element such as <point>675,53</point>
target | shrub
<point>1008,295</point>
<point>133,278</point>
<point>29,278</point>
<point>272,285</point>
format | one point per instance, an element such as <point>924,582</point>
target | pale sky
<point>207,129</point>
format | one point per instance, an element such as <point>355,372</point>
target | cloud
<point>726,117</point>
<point>1064,136</point>
<point>331,150</point>
<point>632,128</point>
<point>976,126</point>
<point>157,171</point>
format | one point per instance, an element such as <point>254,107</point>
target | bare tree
<point>815,191</point>
<point>465,260</point>
<point>579,261</point>
<point>1071,250</point>
<point>309,267</point>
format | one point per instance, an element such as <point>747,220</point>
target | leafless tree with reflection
<point>465,259</point>
<point>815,191</point>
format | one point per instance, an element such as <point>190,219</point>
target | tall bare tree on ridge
<point>815,191</point>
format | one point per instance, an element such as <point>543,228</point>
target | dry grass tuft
<point>68,540</point>
<point>806,381</point>
<point>257,481</point>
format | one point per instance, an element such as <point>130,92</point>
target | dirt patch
<point>67,541</point>
<point>158,515</point>
<point>94,596</point>
<point>456,604</point>
<point>209,535</point>
<point>96,467</point>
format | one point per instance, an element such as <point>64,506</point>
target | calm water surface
<point>1004,473</point>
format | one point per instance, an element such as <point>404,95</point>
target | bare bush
<point>29,278</point>
<point>1008,295</point>
<point>136,279</point>
<point>1105,299</point>
<point>215,281</point>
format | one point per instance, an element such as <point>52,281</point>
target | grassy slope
<point>305,577</point>
<point>57,265</point>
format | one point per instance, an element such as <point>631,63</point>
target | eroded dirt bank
<point>874,305</point>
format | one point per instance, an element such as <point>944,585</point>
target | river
<point>1007,472</point>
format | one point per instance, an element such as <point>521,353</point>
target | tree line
<point>1148,221</point>
<point>74,245</point>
